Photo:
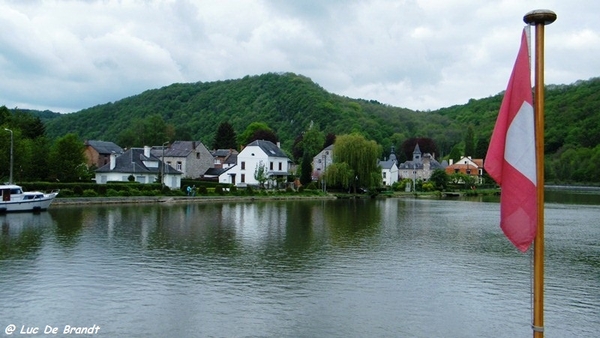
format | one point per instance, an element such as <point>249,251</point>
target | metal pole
<point>10,179</point>
<point>539,18</point>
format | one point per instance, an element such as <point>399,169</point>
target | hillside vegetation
<point>288,103</point>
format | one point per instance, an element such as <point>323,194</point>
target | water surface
<point>353,268</point>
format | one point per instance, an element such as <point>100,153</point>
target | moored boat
<point>15,199</point>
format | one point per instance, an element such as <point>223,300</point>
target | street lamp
<point>10,180</point>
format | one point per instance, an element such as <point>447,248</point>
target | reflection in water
<point>391,267</point>
<point>21,234</point>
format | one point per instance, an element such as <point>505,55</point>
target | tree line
<point>288,103</point>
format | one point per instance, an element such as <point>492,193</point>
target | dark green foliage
<point>439,178</point>
<point>286,102</point>
<point>329,140</point>
<point>225,137</point>
<point>289,102</point>
<point>470,142</point>
<point>306,169</point>
<point>426,145</point>
<point>66,157</point>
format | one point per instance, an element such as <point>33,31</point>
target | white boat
<point>15,199</point>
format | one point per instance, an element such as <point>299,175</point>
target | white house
<point>256,154</point>
<point>389,170</point>
<point>320,162</point>
<point>140,163</point>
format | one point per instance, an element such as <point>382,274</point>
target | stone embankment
<point>179,199</point>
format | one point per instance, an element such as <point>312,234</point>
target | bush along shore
<point>120,193</point>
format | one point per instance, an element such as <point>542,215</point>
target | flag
<point>511,156</point>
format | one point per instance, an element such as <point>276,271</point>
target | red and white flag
<point>511,156</point>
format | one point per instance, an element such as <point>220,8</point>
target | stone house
<point>191,158</point>
<point>421,167</point>
<point>97,153</point>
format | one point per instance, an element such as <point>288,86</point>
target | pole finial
<point>540,16</point>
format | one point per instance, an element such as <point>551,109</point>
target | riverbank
<point>180,199</point>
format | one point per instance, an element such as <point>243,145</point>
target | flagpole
<point>539,18</point>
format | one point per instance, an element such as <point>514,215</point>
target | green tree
<point>455,154</point>
<point>66,157</point>
<point>439,178</point>
<point>340,175</point>
<point>261,174</point>
<point>225,137</point>
<point>469,142</point>
<point>253,130</point>
<point>306,169</point>
<point>361,156</point>
<point>4,115</point>
<point>482,146</point>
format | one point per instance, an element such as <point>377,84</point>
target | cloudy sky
<point>419,54</point>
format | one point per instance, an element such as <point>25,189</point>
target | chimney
<point>147,151</point>
<point>450,161</point>
<point>113,160</point>
<point>278,144</point>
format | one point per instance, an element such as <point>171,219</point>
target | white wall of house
<point>248,160</point>
<point>389,176</point>
<point>321,161</point>
<point>171,181</point>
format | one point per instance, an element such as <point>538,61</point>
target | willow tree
<point>361,157</point>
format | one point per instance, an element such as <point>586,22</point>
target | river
<point>337,268</point>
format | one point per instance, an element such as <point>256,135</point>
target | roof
<point>268,147</point>
<point>132,162</point>
<point>215,171</point>
<point>177,149</point>
<point>433,164</point>
<point>104,147</point>
<point>387,164</point>
<point>230,155</point>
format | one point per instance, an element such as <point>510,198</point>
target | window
<point>280,166</point>
<point>243,166</point>
<point>198,156</point>
<point>384,174</point>
<point>271,165</point>
<point>179,165</point>
<point>468,171</point>
<point>243,178</point>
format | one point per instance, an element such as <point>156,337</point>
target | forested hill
<point>288,103</point>
<point>285,102</point>
<point>572,128</point>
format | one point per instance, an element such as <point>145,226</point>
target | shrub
<point>202,190</point>
<point>90,193</point>
<point>124,193</point>
<point>112,193</point>
<point>77,190</point>
<point>219,190</point>
<point>66,193</point>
